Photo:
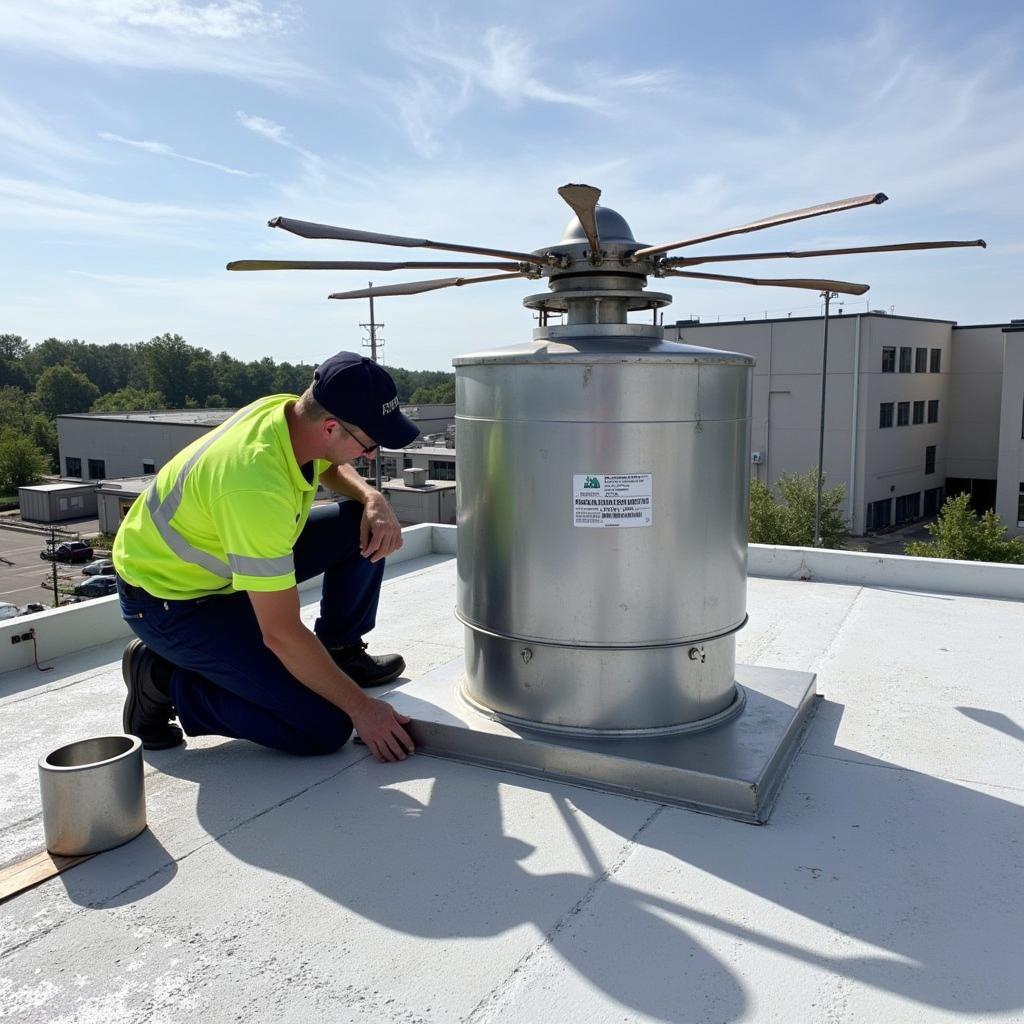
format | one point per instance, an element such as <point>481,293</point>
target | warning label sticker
<point>606,499</point>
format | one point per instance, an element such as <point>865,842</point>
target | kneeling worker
<point>208,560</point>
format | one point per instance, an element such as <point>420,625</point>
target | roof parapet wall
<point>62,631</point>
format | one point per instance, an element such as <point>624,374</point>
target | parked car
<point>97,586</point>
<point>70,551</point>
<point>31,608</point>
<point>8,611</point>
<point>101,567</point>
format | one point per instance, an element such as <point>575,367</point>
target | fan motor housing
<point>603,488</point>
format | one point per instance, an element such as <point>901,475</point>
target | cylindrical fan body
<point>602,533</point>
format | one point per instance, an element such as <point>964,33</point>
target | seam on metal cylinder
<point>583,645</point>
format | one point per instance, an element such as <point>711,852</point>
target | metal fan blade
<point>356,265</point>
<point>307,229</point>
<point>692,261</point>
<point>582,200</point>
<point>767,222</point>
<point>415,287</point>
<point>843,287</point>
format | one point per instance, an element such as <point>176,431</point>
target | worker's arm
<point>378,724</point>
<point>380,533</point>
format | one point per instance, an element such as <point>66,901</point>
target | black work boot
<point>147,708</point>
<point>367,669</point>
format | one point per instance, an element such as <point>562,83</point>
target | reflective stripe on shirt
<point>162,512</point>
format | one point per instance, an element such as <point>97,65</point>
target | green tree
<point>168,360</point>
<point>60,390</point>
<point>21,461</point>
<point>129,400</point>
<point>790,519</point>
<point>439,394</point>
<point>21,412</point>
<point>13,349</point>
<point>408,381</point>
<point>959,533</point>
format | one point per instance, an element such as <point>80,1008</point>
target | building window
<point>906,352</point>
<point>888,358</point>
<point>932,501</point>
<point>73,467</point>
<point>908,506</point>
<point>148,466</point>
<point>406,462</point>
<point>919,412</point>
<point>97,469</point>
<point>902,414</point>
<point>921,361</point>
<point>936,366</point>
<point>929,459</point>
<point>438,469</point>
<point>1020,506</point>
<point>885,414</point>
<point>879,514</point>
<point>933,410</point>
<point>388,468</point>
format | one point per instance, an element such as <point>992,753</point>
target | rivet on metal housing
<point>527,655</point>
<point>697,654</point>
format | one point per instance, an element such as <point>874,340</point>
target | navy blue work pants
<point>227,682</point>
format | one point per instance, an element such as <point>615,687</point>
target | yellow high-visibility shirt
<point>224,514</point>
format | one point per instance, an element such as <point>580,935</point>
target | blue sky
<point>144,143</point>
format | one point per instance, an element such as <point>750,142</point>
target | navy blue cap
<point>358,391</point>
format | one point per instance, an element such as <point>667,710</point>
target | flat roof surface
<point>886,886</point>
<point>89,485</point>
<point>187,417</point>
<point>428,488</point>
<point>129,484</point>
<point>426,449</point>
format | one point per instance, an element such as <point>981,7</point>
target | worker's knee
<point>329,736</point>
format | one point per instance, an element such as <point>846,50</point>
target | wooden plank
<point>30,872</point>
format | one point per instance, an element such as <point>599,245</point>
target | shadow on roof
<point>907,863</point>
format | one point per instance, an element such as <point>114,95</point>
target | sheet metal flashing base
<point>734,770</point>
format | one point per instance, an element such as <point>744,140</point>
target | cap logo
<point>389,406</point>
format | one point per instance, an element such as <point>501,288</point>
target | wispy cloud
<point>314,167</point>
<point>233,38</point>
<point>52,209</point>
<point>34,141</point>
<point>443,78</point>
<point>162,149</point>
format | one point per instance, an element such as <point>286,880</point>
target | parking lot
<point>22,570</point>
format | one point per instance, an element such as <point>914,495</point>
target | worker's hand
<point>380,727</point>
<point>380,533</point>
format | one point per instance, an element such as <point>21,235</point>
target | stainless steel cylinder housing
<point>93,795</point>
<point>602,531</point>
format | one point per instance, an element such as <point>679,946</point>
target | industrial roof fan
<point>603,478</point>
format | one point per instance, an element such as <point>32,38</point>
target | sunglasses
<point>367,449</point>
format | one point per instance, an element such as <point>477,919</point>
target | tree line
<point>43,381</point>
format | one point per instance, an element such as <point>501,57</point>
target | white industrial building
<point>99,446</point>
<point>916,409</point>
<point>111,445</point>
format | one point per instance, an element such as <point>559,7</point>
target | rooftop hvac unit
<point>602,527</point>
<point>414,477</point>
